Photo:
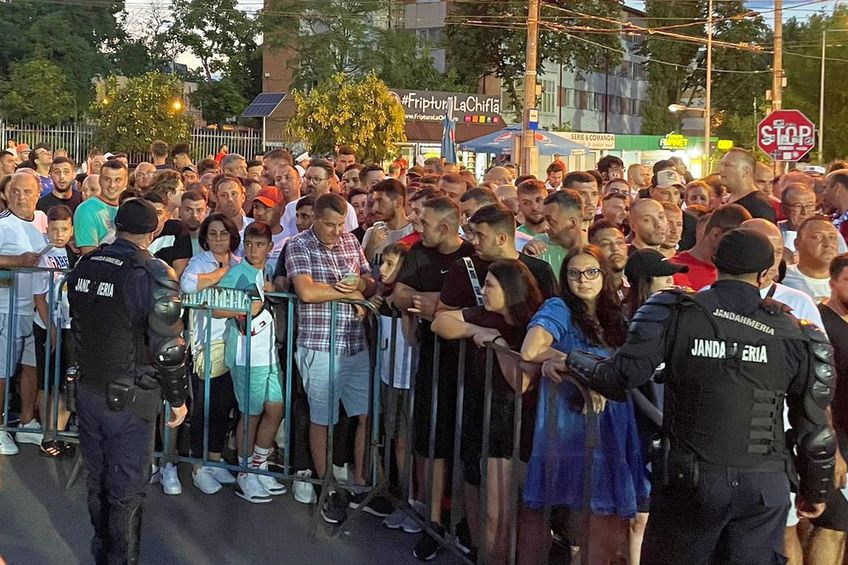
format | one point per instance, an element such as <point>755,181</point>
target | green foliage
<point>71,35</point>
<point>220,101</point>
<point>153,45</point>
<point>343,110</point>
<point>802,64</point>
<point>213,31</point>
<point>135,112</point>
<point>36,92</point>
<point>351,37</point>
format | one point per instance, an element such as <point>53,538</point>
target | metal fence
<point>378,455</point>
<point>78,139</point>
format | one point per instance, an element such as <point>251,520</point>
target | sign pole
<point>708,97</point>
<point>529,151</point>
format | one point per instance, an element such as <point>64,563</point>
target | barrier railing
<point>512,368</point>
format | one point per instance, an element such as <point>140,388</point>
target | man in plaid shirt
<point>324,264</point>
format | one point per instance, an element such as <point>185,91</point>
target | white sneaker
<point>304,492</point>
<point>249,488</point>
<point>204,480</point>
<point>222,475</point>
<point>34,438</point>
<point>280,438</point>
<point>7,444</point>
<point>169,480</point>
<point>270,484</point>
<point>341,473</point>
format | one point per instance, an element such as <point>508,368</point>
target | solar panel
<point>263,105</point>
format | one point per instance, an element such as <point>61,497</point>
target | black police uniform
<point>721,487</point>
<point>125,310</point>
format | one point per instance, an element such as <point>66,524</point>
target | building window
<point>597,102</point>
<point>635,107</point>
<point>431,35</point>
<point>548,97</point>
<point>582,100</point>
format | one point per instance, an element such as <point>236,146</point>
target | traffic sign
<point>786,135</point>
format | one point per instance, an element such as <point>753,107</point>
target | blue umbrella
<point>548,142</point>
<point>449,137</point>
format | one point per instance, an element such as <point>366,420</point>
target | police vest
<point>111,343</point>
<point>726,381</point>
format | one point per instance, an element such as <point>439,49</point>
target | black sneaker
<point>463,538</point>
<point>334,510</point>
<point>428,547</point>
<point>378,506</point>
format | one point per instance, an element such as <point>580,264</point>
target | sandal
<point>69,450</point>
<point>51,448</point>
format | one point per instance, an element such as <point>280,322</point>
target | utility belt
<point>681,469</point>
<point>140,394</point>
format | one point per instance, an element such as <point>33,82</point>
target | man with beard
<point>587,187</point>
<point>610,239</point>
<point>531,202</point>
<point>674,231</point>
<point>193,210</point>
<point>648,224</point>
<point>563,216</point>
<point>62,172</point>
<point>392,225</point>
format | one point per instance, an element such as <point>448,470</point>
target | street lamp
<point>821,93</point>
<point>675,108</point>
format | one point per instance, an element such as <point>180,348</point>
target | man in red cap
<point>268,208</point>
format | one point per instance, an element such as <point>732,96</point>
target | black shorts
<point>67,357</point>
<point>424,402</point>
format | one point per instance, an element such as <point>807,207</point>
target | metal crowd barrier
<point>204,302</point>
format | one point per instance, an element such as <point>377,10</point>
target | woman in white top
<point>219,238</point>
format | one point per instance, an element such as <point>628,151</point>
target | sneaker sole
<point>276,492</point>
<point>28,439</point>
<point>9,451</point>
<point>411,530</point>
<point>329,520</point>
<point>207,491</point>
<point>304,500</point>
<point>172,492</point>
<point>368,509</point>
<point>253,500</point>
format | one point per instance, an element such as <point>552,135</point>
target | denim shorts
<point>349,383</point>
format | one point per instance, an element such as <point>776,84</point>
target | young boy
<point>396,379</point>
<point>55,316</point>
<point>257,387</point>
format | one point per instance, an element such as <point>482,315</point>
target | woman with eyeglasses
<point>587,314</point>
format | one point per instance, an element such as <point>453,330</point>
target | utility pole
<point>529,151</point>
<point>709,86</point>
<point>777,78</point>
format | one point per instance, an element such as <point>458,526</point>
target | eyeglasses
<point>307,178</point>
<point>590,274</point>
<point>801,207</point>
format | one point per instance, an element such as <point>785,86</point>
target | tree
<point>213,30</point>
<point>134,112</point>
<point>36,92</point>
<point>669,61</point>
<point>219,100</point>
<point>342,110</point>
<point>802,65</point>
<point>71,35</point>
<point>496,44</point>
<point>151,44</point>
<point>401,61</point>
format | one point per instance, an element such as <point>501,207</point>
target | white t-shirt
<point>56,258</point>
<point>245,222</point>
<point>278,241</point>
<point>289,220</point>
<point>394,237</point>
<point>802,305</point>
<point>817,289</point>
<point>19,236</point>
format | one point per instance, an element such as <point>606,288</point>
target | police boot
<point>124,531</point>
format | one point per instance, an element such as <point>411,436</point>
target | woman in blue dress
<point>586,316</point>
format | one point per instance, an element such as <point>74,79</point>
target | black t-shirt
<point>359,233</point>
<point>181,247</point>
<point>425,269</point>
<point>687,238</point>
<point>758,205</point>
<point>457,291</point>
<point>50,200</point>
<point>837,332</point>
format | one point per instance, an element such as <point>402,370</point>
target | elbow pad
<point>820,380</point>
<point>166,327</point>
<point>169,360</point>
<point>816,461</point>
<point>582,365</point>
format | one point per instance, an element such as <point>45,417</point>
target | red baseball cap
<point>270,196</point>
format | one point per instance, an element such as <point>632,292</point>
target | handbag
<point>216,357</point>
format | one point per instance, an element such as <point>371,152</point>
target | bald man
<point>498,176</point>
<point>803,308</point>
<point>648,224</point>
<point>737,171</point>
<point>143,176</point>
<point>90,186</point>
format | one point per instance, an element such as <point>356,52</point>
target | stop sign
<point>786,135</point>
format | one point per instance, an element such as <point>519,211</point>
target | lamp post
<point>821,92</point>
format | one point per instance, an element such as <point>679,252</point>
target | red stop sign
<point>786,135</point>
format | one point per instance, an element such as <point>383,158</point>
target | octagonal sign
<point>786,135</point>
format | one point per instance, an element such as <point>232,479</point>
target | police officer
<point>125,309</point>
<point>721,487</point>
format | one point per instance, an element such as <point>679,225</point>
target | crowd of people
<point>541,266</point>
